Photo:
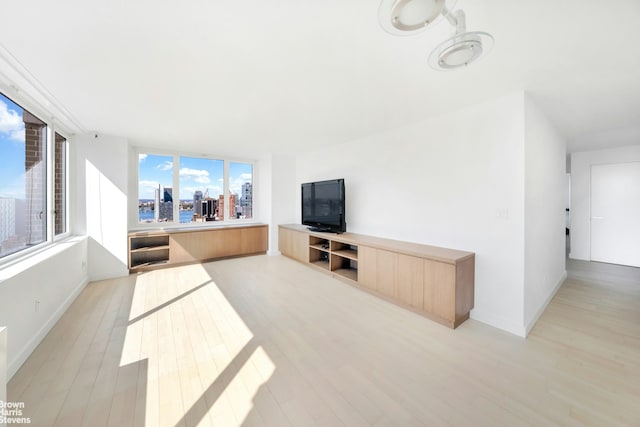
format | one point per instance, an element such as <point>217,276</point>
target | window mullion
<point>227,206</point>
<point>49,153</point>
<point>176,189</point>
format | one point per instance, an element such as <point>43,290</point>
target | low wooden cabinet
<point>435,282</point>
<point>153,249</point>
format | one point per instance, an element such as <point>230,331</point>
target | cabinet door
<point>294,244</point>
<point>187,247</point>
<point>410,281</point>
<point>367,267</point>
<point>439,289</point>
<point>387,277</point>
<point>254,240</point>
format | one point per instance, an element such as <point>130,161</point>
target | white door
<point>615,213</point>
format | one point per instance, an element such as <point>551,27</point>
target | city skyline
<point>195,174</point>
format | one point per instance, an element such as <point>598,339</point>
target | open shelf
<point>333,255</point>
<point>349,273</point>
<point>347,253</point>
<point>345,266</point>
<point>324,264</point>
<point>319,247</point>
<point>318,254</point>
<point>148,250</point>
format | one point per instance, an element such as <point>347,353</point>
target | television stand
<point>435,282</point>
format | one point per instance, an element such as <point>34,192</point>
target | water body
<point>147,216</point>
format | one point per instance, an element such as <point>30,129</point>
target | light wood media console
<point>435,282</point>
<point>158,248</point>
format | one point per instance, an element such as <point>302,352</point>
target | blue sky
<point>11,150</point>
<point>194,174</point>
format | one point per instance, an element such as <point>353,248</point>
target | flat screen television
<point>323,206</point>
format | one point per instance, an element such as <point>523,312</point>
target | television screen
<point>323,204</point>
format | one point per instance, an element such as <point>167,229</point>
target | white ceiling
<point>220,76</point>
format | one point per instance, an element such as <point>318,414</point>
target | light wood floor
<point>268,341</point>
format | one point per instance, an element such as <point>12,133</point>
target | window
<point>201,189</point>
<point>193,189</point>
<point>24,184</point>
<point>155,188</point>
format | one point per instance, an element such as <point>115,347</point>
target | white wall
<point>36,292</point>
<point>455,181</point>
<point>283,194</point>
<point>101,181</point>
<point>275,196</point>
<point>581,193</point>
<point>545,200</point>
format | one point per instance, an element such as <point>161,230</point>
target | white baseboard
<point>497,322</point>
<point>543,307</point>
<point>31,345</point>
<point>107,276</point>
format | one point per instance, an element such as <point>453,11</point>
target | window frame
<point>52,127</point>
<point>135,224</point>
<point>67,224</point>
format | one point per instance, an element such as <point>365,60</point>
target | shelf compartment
<point>319,247</point>
<point>141,242</point>
<point>349,273</point>
<point>344,267</point>
<point>319,242</point>
<point>322,263</point>
<point>150,248</point>
<point>149,257</point>
<point>319,257</point>
<point>347,253</point>
<point>344,249</point>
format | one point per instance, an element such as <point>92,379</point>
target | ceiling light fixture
<point>409,17</point>
<point>463,48</point>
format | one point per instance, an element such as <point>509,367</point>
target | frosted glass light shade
<point>408,17</point>
<point>460,50</point>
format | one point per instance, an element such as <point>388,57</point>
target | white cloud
<point>17,135</point>
<point>165,166</point>
<point>151,184</point>
<point>200,176</point>
<point>235,184</point>
<point>146,189</point>
<point>11,123</point>
<point>141,157</point>
<point>193,172</point>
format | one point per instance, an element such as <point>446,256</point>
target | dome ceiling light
<point>462,48</point>
<point>409,17</point>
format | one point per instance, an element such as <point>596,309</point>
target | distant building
<point>220,211</point>
<point>233,206</point>
<point>209,206</point>
<point>246,200</point>
<point>232,203</point>
<point>197,204</point>
<point>164,207</point>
